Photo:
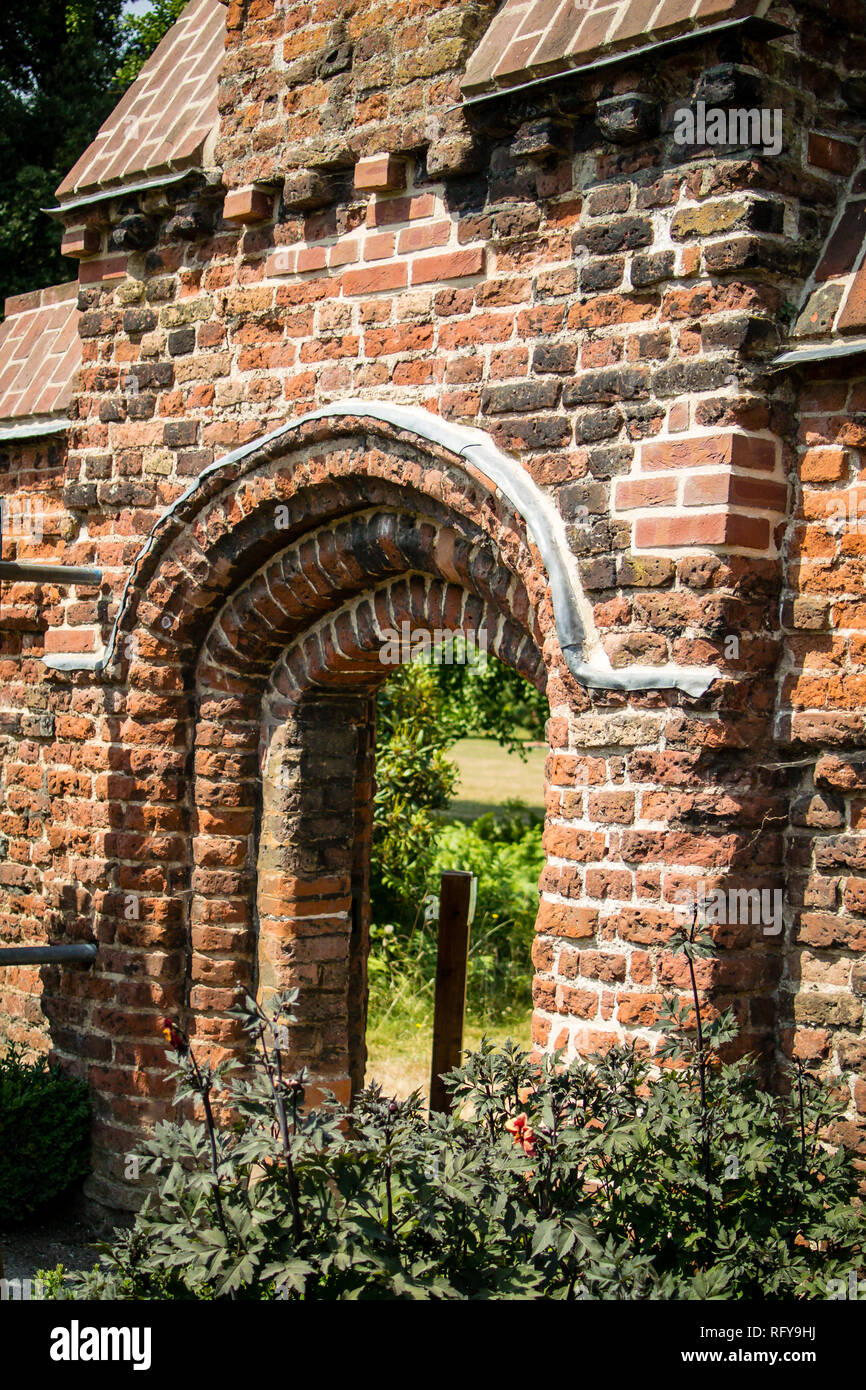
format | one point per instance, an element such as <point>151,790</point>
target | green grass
<point>399,1049</point>
<point>490,775</point>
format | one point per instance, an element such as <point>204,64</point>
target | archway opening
<point>319,805</point>
<point>460,753</point>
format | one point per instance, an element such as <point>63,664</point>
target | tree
<point>63,67</point>
<point>142,33</point>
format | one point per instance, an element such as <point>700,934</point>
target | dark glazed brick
<point>181,342</point>
<point>626,234</point>
<point>649,270</point>
<point>845,243</point>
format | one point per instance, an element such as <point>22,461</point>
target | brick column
<point>313,868</point>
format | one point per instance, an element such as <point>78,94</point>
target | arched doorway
<point>251,634</point>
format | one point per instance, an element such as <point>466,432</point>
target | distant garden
<point>426,712</point>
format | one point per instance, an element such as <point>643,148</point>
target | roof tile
<point>40,352</point>
<point>162,122</point>
<point>530,38</point>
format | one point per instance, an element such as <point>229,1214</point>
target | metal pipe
<point>48,574</point>
<point>46,955</point>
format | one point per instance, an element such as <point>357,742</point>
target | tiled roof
<point>40,352</point>
<point>162,122</point>
<point>539,38</point>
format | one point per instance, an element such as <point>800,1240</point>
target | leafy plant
<point>503,850</point>
<point>44,1133</point>
<point>414,779</point>
<point>422,710</point>
<point>487,699</point>
<point>581,1181</point>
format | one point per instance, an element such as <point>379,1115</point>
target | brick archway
<point>249,643</point>
<point>288,806</point>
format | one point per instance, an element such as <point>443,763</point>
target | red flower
<point>173,1036</point>
<point>524,1134</point>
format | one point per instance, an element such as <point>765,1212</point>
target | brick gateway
<point>366,329</point>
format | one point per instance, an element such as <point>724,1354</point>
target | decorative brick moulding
<point>380,173</point>
<point>81,241</point>
<point>248,205</point>
<point>715,490</point>
<point>386,253</point>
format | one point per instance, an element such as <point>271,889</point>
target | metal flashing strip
<point>586,659</point>
<point>120,190</point>
<point>820,352</point>
<point>34,429</point>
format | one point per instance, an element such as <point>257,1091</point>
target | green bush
<point>484,698</point>
<point>44,1134</point>
<point>568,1182</point>
<point>503,850</point>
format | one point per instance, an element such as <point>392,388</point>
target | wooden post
<point>455,903</point>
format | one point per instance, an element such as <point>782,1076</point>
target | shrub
<point>550,1181</point>
<point>486,698</point>
<point>44,1133</point>
<point>503,849</point>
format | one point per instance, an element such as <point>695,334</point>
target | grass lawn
<point>399,1053</point>
<point>490,775</point>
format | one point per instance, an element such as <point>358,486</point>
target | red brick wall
<point>606,313</point>
<point>821,729</point>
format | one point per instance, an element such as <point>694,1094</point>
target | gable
<point>162,123</point>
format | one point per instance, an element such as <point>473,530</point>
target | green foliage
<point>57,63</point>
<point>62,70</point>
<point>44,1133</point>
<point>487,699</point>
<point>414,778</point>
<point>583,1181</point>
<point>421,712</point>
<point>140,35</point>
<point>503,850</point>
